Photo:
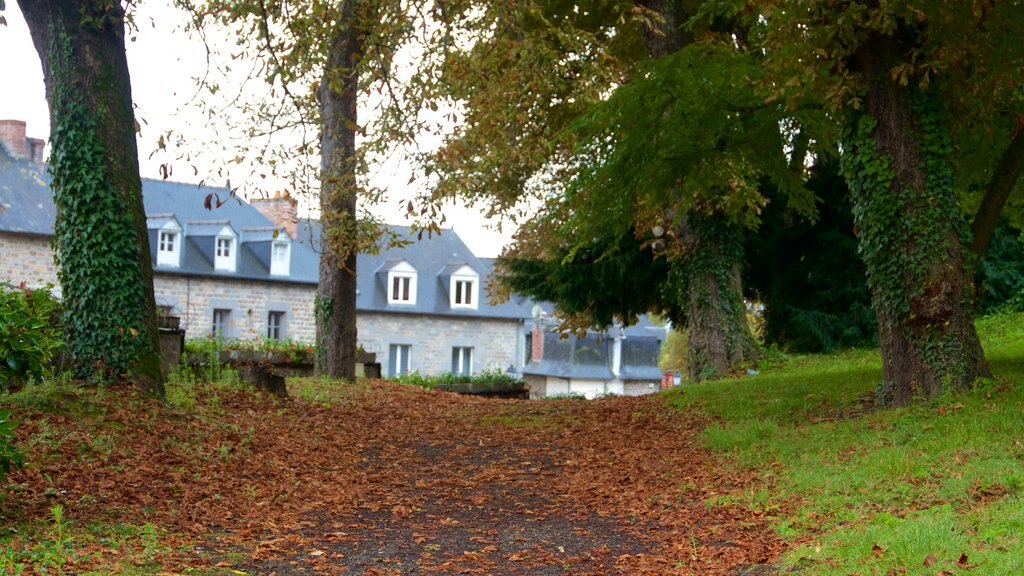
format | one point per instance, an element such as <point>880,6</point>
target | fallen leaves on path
<point>397,480</point>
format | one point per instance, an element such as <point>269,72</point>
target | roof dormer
<point>280,256</point>
<point>463,286</point>
<point>225,250</point>
<point>165,232</point>
<point>401,282</point>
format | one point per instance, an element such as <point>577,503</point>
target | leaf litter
<point>398,480</point>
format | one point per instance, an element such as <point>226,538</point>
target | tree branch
<point>996,193</point>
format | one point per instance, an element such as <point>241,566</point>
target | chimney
<point>281,210</point>
<point>536,343</point>
<point>12,135</point>
<point>36,149</point>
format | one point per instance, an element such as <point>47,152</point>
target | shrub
<point>30,336</point>
<point>10,457</point>
<point>485,377</point>
<point>294,350</point>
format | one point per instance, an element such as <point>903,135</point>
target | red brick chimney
<point>536,344</point>
<point>12,136</point>
<point>281,210</point>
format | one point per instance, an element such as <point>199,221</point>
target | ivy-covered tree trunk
<point>101,244</point>
<point>336,295</point>
<point>719,337</point>
<point>896,161</point>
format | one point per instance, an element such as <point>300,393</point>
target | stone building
<point>250,269</point>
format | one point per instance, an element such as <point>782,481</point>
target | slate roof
<point>26,207</point>
<point>434,257</point>
<point>589,358</point>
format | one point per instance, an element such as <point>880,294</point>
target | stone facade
<point>27,259</point>
<point>496,343</point>
<point>248,304</point>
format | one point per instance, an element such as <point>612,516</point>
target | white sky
<point>163,61</point>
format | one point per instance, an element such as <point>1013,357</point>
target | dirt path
<point>456,485</point>
<point>377,479</point>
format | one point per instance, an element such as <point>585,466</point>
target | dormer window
<point>168,250</point>
<point>224,255</point>
<point>463,288</point>
<point>280,256</point>
<point>402,284</point>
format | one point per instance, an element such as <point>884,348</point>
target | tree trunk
<point>336,296</point>
<point>101,242</point>
<point>719,337</point>
<point>905,208</point>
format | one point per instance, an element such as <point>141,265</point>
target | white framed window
<point>168,248</point>
<point>280,255</point>
<point>221,324</point>
<point>462,292</point>
<point>462,360</point>
<point>401,285</point>
<point>224,254</point>
<point>399,359</point>
<point>275,325</point>
<point>403,289</point>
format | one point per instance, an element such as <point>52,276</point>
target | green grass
<point>940,479</point>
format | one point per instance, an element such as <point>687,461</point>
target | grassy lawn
<point>920,490</point>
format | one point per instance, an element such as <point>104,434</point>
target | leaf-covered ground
<point>371,479</point>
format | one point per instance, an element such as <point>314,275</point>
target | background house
<point>621,361</point>
<point>247,269</point>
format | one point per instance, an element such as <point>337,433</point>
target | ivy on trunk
<point>101,243</point>
<point>897,163</point>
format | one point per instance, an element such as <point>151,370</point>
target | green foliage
<point>691,132</point>
<point>808,274</point>
<point>674,351</point>
<point>942,478</point>
<point>487,378</point>
<point>30,335</point>
<point>1000,273</point>
<point>613,276</point>
<point>95,240</point>
<point>10,456</point>
<point>288,350</point>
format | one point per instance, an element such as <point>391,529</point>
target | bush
<point>30,336</point>
<point>10,457</point>
<point>294,351</point>
<point>485,377</point>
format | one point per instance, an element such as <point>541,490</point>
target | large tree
<point>319,56</point>
<point>101,244</point>
<point>659,154</point>
<point>927,96</point>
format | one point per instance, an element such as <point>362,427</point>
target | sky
<point>163,61</point>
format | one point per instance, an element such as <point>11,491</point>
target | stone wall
<point>496,343</point>
<point>249,303</point>
<point>27,259</point>
<point>30,260</point>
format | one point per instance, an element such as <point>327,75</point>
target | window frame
<point>401,296</point>
<point>279,326</point>
<point>222,328</point>
<point>280,266</point>
<point>462,360</point>
<point>395,358</point>
<point>226,260</point>
<point>464,290</point>
<point>168,246</point>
